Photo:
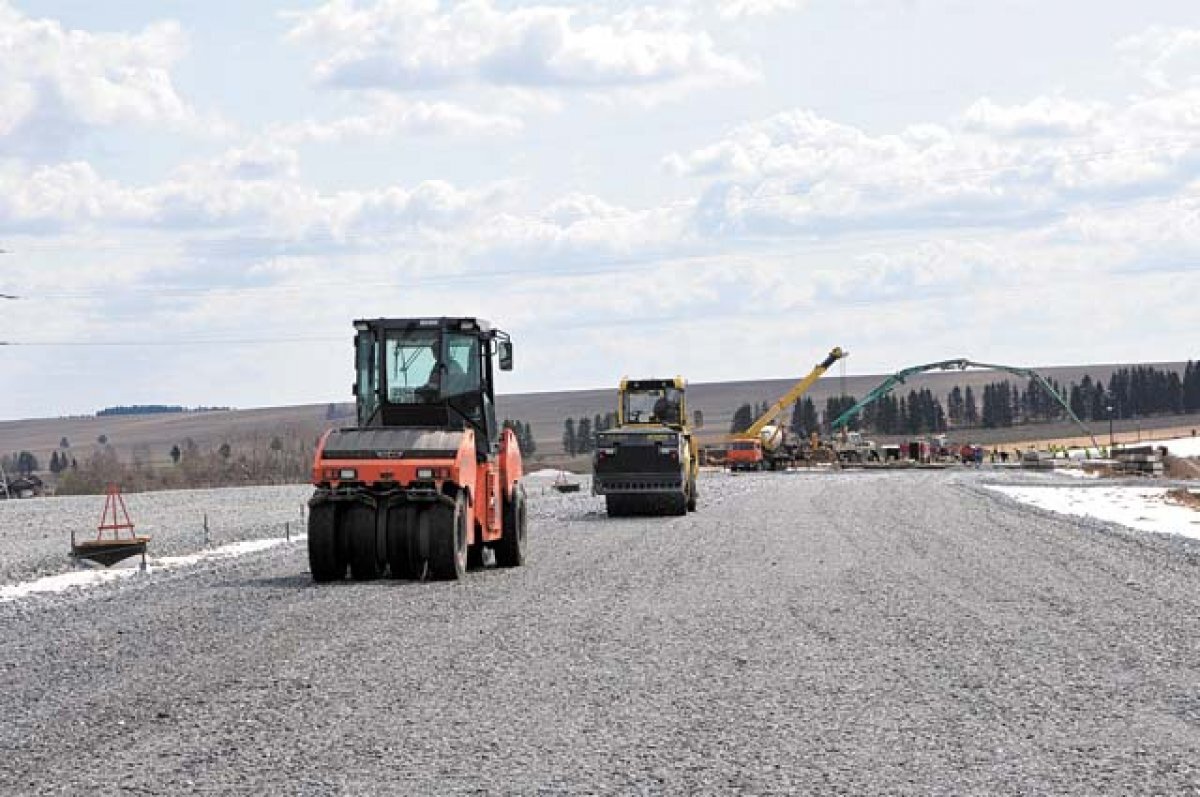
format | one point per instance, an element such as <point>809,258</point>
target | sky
<point>197,199</point>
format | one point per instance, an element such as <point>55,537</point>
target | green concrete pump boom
<point>889,384</point>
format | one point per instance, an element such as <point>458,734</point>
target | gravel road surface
<point>855,633</point>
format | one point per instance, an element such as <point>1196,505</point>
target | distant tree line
<point>283,458</point>
<point>579,435</point>
<point>524,433</point>
<point>153,409</point>
<point>804,417</point>
<point>745,416</point>
<point>23,463</point>
<point>804,420</point>
<point>1137,392</point>
<point>920,412</point>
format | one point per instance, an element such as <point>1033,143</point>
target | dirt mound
<point>1182,467</point>
<point>1182,495</point>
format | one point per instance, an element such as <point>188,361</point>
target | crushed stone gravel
<point>812,633</point>
<point>35,534</point>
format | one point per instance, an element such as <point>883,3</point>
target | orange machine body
<point>745,455</point>
<point>488,484</point>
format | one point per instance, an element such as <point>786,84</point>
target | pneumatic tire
<point>325,558</point>
<point>404,557</point>
<point>616,506</point>
<point>510,551</point>
<point>359,522</point>
<point>446,530</point>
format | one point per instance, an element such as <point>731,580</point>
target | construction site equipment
<point>564,485</point>
<point>648,463</point>
<point>1140,461</point>
<point>767,443</point>
<point>961,364</point>
<point>108,550</point>
<point>714,454</point>
<point>427,479</point>
<point>853,447</point>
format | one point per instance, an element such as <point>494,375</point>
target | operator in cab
<point>666,409</point>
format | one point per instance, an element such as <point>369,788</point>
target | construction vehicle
<point>853,447</point>
<point>767,444</point>
<point>648,463</point>
<point>427,479</point>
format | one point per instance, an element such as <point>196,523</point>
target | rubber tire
<point>475,556</point>
<point>404,558</point>
<point>616,506</point>
<point>691,499</point>
<point>510,550</point>
<point>358,520</point>
<point>446,529</point>
<point>325,558</point>
<point>676,505</point>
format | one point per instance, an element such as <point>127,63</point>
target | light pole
<point>1111,444</point>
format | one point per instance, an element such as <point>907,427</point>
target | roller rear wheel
<point>366,564</point>
<point>404,555</point>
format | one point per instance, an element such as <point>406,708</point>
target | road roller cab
<point>427,479</point>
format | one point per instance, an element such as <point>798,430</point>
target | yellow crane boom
<point>793,395</point>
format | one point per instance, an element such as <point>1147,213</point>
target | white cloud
<point>738,9</point>
<point>996,164</point>
<point>55,82</point>
<point>279,210</point>
<point>1166,57</point>
<point>421,44</point>
<point>1043,116</point>
<point>260,160</point>
<point>252,190</point>
<point>50,198</point>
<point>390,116</point>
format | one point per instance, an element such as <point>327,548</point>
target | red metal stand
<point>112,502</point>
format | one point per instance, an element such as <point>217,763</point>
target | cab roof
<point>677,382</point>
<point>466,324</point>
